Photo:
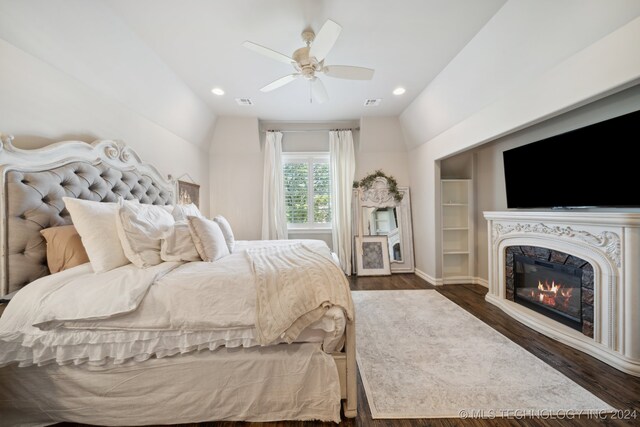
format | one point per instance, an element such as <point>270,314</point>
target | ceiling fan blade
<point>280,82</point>
<point>348,72</point>
<point>319,91</point>
<point>325,40</point>
<point>268,52</point>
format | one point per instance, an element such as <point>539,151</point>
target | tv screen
<point>588,167</point>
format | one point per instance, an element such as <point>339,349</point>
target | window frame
<point>309,157</point>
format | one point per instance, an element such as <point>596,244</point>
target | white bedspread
<point>132,313</point>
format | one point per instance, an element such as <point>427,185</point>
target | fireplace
<point>552,283</point>
<point>604,245</point>
<point>549,288</point>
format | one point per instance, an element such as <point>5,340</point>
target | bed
<point>177,342</point>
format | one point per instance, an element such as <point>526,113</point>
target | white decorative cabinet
<point>458,237</point>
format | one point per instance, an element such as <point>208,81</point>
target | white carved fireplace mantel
<point>610,242</point>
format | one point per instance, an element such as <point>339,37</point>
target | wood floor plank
<point>614,387</point>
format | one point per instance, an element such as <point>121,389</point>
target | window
<point>307,190</point>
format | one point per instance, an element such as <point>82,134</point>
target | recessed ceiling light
<point>399,91</point>
<point>217,91</point>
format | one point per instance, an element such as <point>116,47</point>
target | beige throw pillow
<point>64,248</point>
<point>208,238</point>
<point>226,231</point>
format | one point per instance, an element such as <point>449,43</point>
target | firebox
<point>549,288</point>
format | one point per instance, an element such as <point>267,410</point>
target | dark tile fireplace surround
<point>569,301</point>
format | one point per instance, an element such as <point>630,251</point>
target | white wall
<point>56,86</point>
<point>593,54</point>
<point>91,44</point>
<point>307,142</point>
<point>236,163</point>
<point>522,41</point>
<point>236,167</point>
<point>382,146</point>
<point>490,186</point>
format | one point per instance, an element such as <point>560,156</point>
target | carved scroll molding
<point>118,150</point>
<point>6,140</point>
<point>378,195</point>
<point>115,153</point>
<point>607,241</point>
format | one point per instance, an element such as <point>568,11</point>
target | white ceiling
<point>407,42</point>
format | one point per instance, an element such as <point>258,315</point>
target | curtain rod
<point>307,130</point>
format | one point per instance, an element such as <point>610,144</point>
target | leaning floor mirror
<point>378,211</point>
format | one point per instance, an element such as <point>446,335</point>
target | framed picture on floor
<point>372,256</point>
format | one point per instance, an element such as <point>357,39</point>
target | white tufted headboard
<point>33,183</point>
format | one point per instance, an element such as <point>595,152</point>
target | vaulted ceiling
<point>407,42</point>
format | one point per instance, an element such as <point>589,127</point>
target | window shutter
<point>321,193</point>
<point>296,191</point>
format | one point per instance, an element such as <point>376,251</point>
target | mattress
<point>81,319</point>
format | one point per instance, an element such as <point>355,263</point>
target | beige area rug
<point>422,356</point>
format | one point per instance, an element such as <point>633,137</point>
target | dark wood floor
<point>620,390</point>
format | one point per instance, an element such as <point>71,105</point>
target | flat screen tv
<point>594,166</point>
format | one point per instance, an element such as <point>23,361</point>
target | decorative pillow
<point>226,231</point>
<point>177,244</point>
<point>181,212</point>
<point>140,228</point>
<point>64,248</point>
<point>96,225</point>
<point>208,238</point>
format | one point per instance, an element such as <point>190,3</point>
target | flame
<point>553,294</point>
<point>551,288</point>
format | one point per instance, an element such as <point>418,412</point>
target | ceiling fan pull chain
<point>310,94</point>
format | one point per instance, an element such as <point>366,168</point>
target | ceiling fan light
<point>217,91</point>
<point>399,91</point>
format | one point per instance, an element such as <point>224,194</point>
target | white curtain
<point>342,163</point>
<point>274,219</point>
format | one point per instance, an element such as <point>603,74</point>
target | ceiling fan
<point>309,61</point>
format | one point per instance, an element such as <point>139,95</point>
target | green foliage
<point>321,193</point>
<point>296,192</point>
<point>368,181</point>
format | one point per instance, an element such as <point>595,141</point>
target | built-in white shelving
<point>457,230</point>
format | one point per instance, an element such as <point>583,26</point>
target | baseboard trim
<point>461,280</point>
<point>465,280</point>
<point>480,281</point>
<point>424,276</point>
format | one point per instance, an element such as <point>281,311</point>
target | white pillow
<point>208,238</point>
<point>181,212</point>
<point>140,228</point>
<point>226,231</point>
<point>96,225</point>
<point>177,244</point>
